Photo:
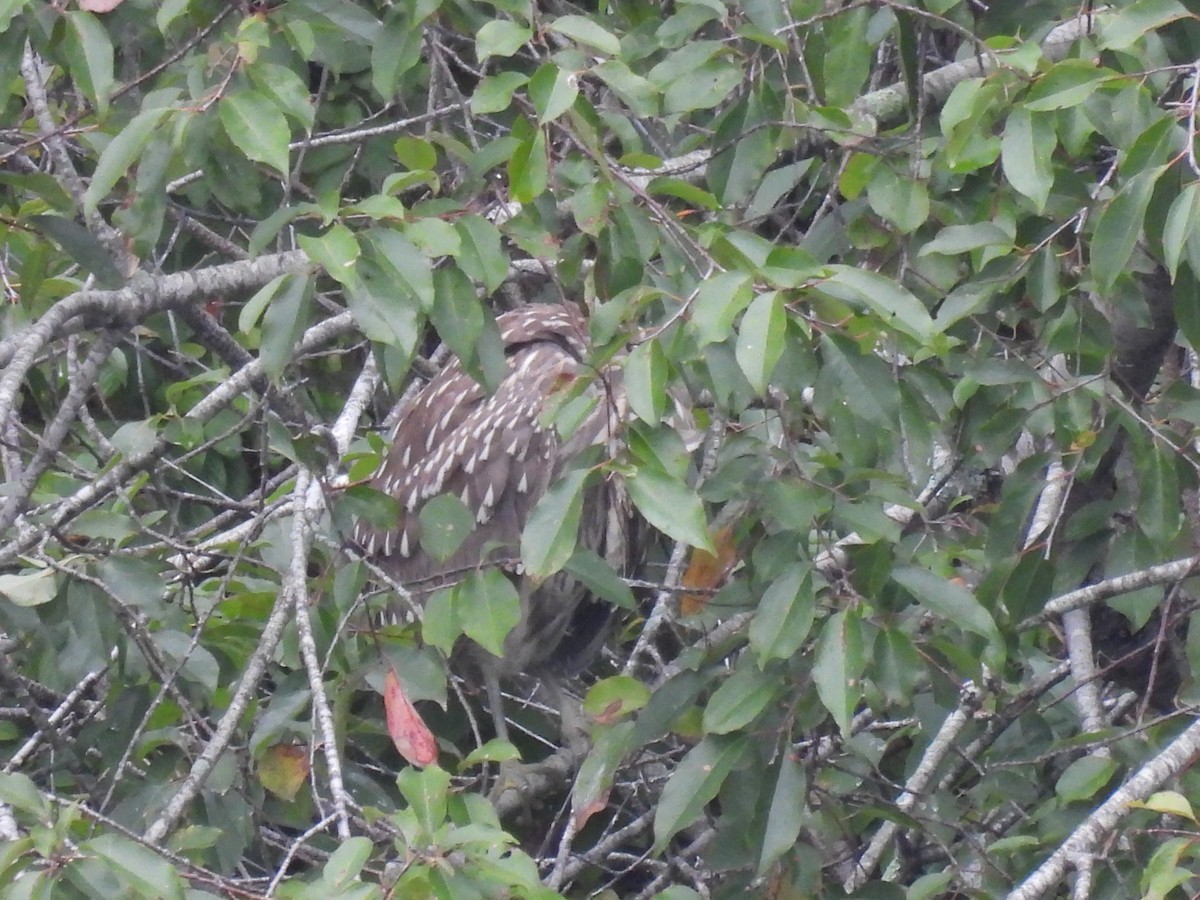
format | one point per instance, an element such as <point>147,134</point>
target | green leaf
<point>585,31</point>
<point>346,862</point>
<point>904,202</point>
<point>786,815</point>
<point>638,93</point>
<point>837,667</point>
<point>408,265</point>
<point>489,608</point>
<point>1067,84</point>
<point>718,301</point>
<point>253,309</point>
<point>529,168</point>
<point>694,784</point>
<point>284,322</point>
<point>29,588</point>
<point>955,239</point>
<point>90,57</point>
<point>138,866</point>
<point>549,537</point>
<point>739,699</point>
<point>703,87</point>
<point>121,153</point>
<point>336,251</point>
<point>614,697</point>
<point>893,303</point>
<point>1026,152</point>
<point>79,244</point>
<point>552,91</point>
<point>1168,803</point>
<point>949,600</point>
<point>1181,232</point>
<point>1119,227</point>
<point>445,524</point>
<point>1084,778</point>
<point>481,255</point>
<point>426,791</point>
<point>646,373</point>
<point>500,38</point>
<point>441,624</point>
<point>494,93</point>
<point>256,127</point>
<point>1121,30</point>
<point>396,51</point>
<point>760,339</point>
<point>670,506</point>
<point>785,614</point>
<point>132,580</point>
<point>599,578</point>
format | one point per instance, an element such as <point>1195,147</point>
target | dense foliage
<point>904,296</point>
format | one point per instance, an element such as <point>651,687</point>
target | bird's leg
<point>491,682</point>
<point>572,724</point>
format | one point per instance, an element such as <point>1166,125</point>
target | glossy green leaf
<point>489,608</point>
<point>586,31</point>
<point>284,323</point>
<point>410,268</point>
<point>256,127</point>
<point>785,614</point>
<point>529,168</point>
<point>1066,84</point>
<point>121,153</point>
<point>549,537</point>
<point>894,304</point>
<point>1085,778</point>
<point>139,867</point>
<point>760,339</point>
<point>1181,232</point>
<point>426,791</point>
<point>500,38</point>
<point>445,524</point>
<point>336,251</point>
<point>837,666</point>
<point>347,861</point>
<point>1026,151</point>
<point>81,245</point>
<point>495,92</point>
<point>599,578</point>
<point>902,201</point>
<point>1169,803</point>
<point>29,588</point>
<point>739,700</point>
<point>1120,225</point>
<point>481,255</point>
<point>718,301</point>
<point>646,373</point>
<point>670,506</point>
<point>552,91</point>
<point>1130,23</point>
<point>947,599</point>
<point>786,814</point>
<point>90,56</point>
<point>694,783</point>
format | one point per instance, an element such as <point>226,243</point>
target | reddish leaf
<point>99,6</point>
<point>407,730</point>
<point>283,769</point>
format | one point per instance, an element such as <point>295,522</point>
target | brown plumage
<point>498,453</point>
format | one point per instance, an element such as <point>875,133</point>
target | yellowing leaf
<point>283,769</point>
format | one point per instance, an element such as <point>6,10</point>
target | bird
<point>499,453</point>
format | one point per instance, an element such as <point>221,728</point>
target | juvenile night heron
<point>499,453</point>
